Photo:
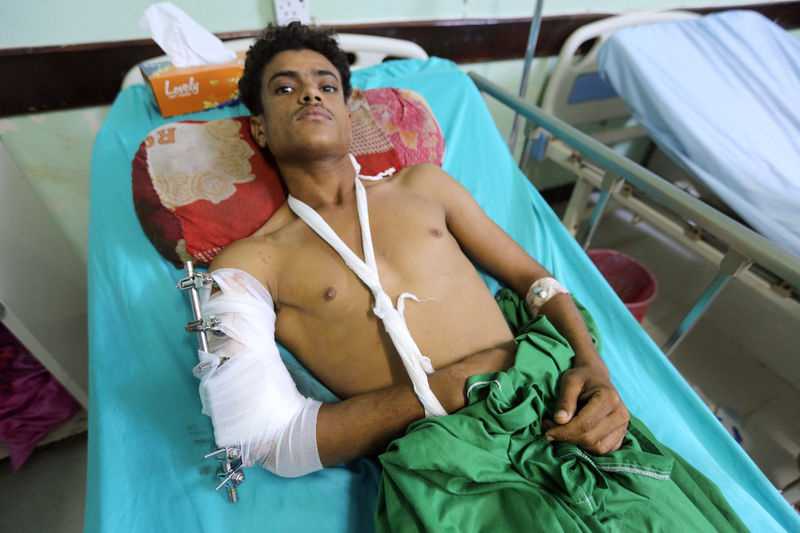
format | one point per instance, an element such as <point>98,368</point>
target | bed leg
<point>732,264</point>
<point>576,205</point>
<point>610,184</point>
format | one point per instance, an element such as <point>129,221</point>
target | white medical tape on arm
<point>541,291</point>
<point>246,389</point>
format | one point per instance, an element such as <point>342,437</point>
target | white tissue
<point>185,42</point>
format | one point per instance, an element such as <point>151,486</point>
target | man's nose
<point>310,95</point>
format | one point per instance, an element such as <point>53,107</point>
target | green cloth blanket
<point>488,467</point>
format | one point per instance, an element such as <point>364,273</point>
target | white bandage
<point>246,389</point>
<point>416,364</point>
<point>541,291</point>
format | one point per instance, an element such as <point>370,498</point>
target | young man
<point>368,282</point>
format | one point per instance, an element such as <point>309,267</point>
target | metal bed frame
<point>610,171</point>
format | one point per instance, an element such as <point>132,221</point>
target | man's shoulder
<point>420,169</point>
<point>420,176</point>
<point>256,253</point>
<point>242,254</point>
<point>427,180</point>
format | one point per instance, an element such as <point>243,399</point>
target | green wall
<point>49,22</point>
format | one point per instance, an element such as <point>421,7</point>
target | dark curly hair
<point>276,39</point>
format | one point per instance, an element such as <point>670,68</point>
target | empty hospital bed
<point>147,436</point>
<point>718,94</point>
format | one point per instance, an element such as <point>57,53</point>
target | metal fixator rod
<point>192,282</point>
<point>231,474</point>
<point>733,263</point>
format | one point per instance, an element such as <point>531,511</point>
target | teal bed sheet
<point>147,436</point>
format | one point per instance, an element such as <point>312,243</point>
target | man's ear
<point>257,130</point>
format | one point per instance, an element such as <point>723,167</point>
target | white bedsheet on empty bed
<point>721,96</point>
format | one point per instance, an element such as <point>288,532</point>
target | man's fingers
<point>592,425</point>
<point>570,390</point>
<point>592,414</point>
<point>586,432</point>
<point>609,443</point>
<point>616,444</point>
<point>601,423</point>
<point>603,438</point>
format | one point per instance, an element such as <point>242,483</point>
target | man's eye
<point>329,88</point>
<point>283,89</point>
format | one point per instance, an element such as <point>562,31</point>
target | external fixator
<point>193,283</point>
<point>198,280</point>
<point>231,473</point>
<point>206,323</point>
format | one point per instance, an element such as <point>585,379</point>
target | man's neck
<point>322,182</point>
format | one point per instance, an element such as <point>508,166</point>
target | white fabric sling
<point>416,364</point>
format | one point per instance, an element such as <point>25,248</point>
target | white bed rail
<point>744,245</point>
<point>577,61</point>
<point>572,65</point>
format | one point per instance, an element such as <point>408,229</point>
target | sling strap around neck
<point>417,365</point>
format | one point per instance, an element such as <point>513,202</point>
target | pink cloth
<point>32,402</point>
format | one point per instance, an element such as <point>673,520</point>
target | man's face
<point>304,107</point>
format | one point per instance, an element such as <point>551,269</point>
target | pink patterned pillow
<point>199,186</point>
<point>406,119</point>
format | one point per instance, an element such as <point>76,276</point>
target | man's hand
<point>449,383</point>
<point>602,419</point>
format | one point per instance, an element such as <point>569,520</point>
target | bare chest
<point>325,311</point>
<point>409,238</point>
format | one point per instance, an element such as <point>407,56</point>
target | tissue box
<point>178,90</point>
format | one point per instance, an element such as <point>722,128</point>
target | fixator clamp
<point>232,473</point>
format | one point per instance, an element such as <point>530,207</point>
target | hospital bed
<point>148,439</point>
<point>717,95</point>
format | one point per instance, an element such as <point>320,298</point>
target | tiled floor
<point>48,492</point>
<point>743,356</point>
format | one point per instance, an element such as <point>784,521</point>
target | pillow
<point>199,186</point>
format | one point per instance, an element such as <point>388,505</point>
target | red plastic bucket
<point>633,282</point>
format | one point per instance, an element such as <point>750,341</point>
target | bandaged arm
<point>245,387</point>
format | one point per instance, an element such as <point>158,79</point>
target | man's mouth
<point>314,111</point>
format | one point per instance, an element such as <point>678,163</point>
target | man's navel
<point>329,294</point>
